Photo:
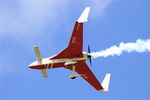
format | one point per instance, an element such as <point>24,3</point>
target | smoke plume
<point>139,46</point>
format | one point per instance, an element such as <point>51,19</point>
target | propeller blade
<point>38,55</point>
<point>90,61</point>
<point>44,73</point>
<point>89,51</point>
<point>89,56</point>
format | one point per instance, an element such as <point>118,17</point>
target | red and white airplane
<point>72,58</point>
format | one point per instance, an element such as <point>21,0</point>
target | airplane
<point>72,58</point>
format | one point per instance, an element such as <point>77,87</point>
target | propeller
<point>89,56</point>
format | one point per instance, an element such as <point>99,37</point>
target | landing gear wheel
<point>74,74</point>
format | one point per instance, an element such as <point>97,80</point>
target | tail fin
<point>105,83</point>
<point>84,15</point>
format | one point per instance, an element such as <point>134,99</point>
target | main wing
<point>86,73</point>
<point>83,70</point>
<point>75,46</point>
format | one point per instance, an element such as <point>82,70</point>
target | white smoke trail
<point>139,46</point>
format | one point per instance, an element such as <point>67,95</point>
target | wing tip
<point>105,83</point>
<point>84,15</point>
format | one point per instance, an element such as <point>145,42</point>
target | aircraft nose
<point>32,67</point>
<point>29,66</point>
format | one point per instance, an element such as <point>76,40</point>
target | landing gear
<point>74,74</point>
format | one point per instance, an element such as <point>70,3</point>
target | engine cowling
<point>70,63</point>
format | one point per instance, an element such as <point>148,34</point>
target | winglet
<point>105,83</point>
<point>84,15</point>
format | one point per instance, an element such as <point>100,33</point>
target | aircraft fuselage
<point>48,63</point>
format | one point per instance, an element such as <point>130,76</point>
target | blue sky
<point>48,24</point>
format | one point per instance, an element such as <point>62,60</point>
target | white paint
<point>84,15</point>
<point>105,83</point>
<point>69,63</point>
